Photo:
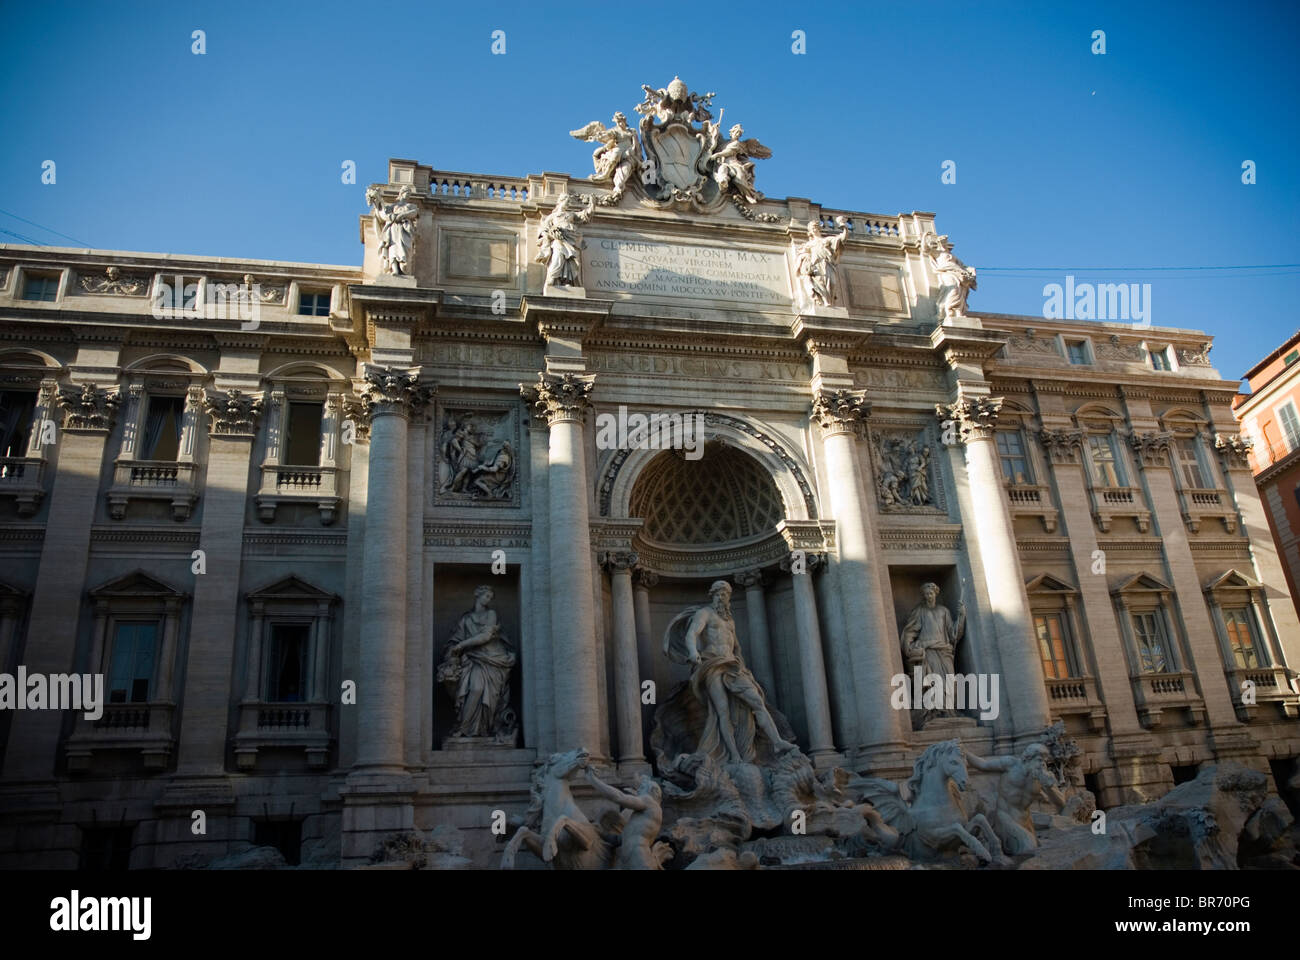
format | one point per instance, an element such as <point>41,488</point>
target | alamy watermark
<point>946,691</point>
<point>57,691</point>
<point>1098,301</point>
<point>200,300</point>
<point>655,431</point>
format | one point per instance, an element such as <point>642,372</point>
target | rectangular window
<point>130,675</point>
<point>1241,638</point>
<point>1051,645</point>
<point>1011,450</point>
<point>1105,468</point>
<point>302,443</point>
<point>314,304</point>
<point>1291,358</point>
<point>1189,458</point>
<point>1077,351</point>
<point>1290,424</point>
<point>286,674</point>
<point>162,429</point>
<point>1160,359</point>
<point>39,287</point>
<point>1152,644</point>
<point>17,408</point>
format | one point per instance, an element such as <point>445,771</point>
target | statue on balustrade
<point>559,240</point>
<point>475,671</point>
<point>617,158</point>
<point>733,170</point>
<point>956,280</point>
<point>395,227</point>
<point>817,262</point>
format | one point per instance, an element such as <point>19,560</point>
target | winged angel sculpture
<point>676,154</point>
<point>617,159</point>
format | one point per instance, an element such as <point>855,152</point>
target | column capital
<point>975,417</point>
<point>619,561</point>
<point>1235,448</point>
<point>360,409</point>
<point>1151,449</point>
<point>748,578</point>
<point>1061,446</point>
<point>812,562</point>
<point>233,412</point>
<point>89,407</point>
<point>644,577</point>
<point>559,397</point>
<point>395,390</point>
<point>841,411</point>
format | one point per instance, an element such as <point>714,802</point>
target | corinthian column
<point>759,652</point>
<point>392,395</point>
<point>627,677</point>
<point>812,665</point>
<point>974,419</point>
<point>873,647</point>
<point>562,400</point>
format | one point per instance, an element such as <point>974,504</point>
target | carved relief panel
<point>476,453</point>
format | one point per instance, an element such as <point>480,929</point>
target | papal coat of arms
<point>677,154</point>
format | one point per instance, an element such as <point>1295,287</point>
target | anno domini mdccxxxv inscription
<point>654,268</point>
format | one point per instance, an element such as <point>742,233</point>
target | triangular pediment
<point>135,584</point>
<point>1143,583</point>
<point>1233,579</point>
<point>291,588</point>
<point>1046,583</point>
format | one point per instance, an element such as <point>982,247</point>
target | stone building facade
<point>265,526</point>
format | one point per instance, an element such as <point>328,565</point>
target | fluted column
<point>758,652</point>
<point>873,646</point>
<point>627,676</point>
<point>393,395</point>
<point>812,665</point>
<point>563,400</point>
<point>973,419</point>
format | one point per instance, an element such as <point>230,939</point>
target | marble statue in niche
<point>929,639</point>
<point>395,225</point>
<point>475,459</point>
<point>817,263</point>
<point>559,240</point>
<point>902,469</point>
<point>705,638</point>
<point>475,671</point>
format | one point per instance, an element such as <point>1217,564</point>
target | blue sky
<point>1065,159</point>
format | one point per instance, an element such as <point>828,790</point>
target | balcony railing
<point>170,480</point>
<point>142,727</point>
<point>23,479</point>
<point>1266,685</point>
<point>1033,500</point>
<point>1200,502</point>
<point>1077,695</point>
<point>1111,502</point>
<point>1157,692</point>
<point>296,726</point>
<point>282,483</point>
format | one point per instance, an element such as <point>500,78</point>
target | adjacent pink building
<point>1270,417</point>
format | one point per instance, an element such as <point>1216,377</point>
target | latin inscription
<point>708,368</point>
<point>685,270</point>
